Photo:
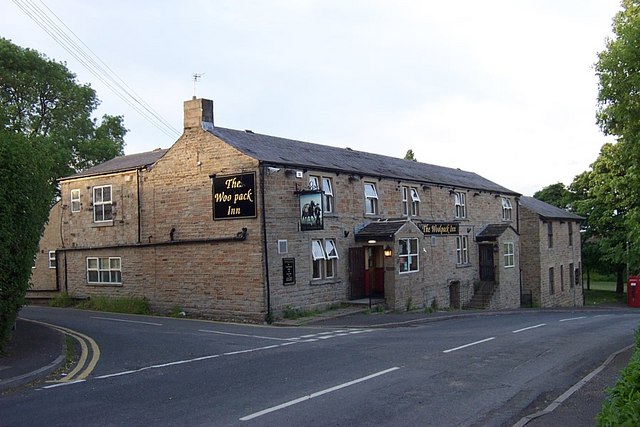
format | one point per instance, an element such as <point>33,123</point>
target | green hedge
<point>622,408</point>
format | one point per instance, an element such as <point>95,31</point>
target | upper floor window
<point>509,255</point>
<point>323,183</point>
<point>370,199</point>
<point>75,200</point>
<point>408,255</point>
<point>462,250</point>
<point>102,204</point>
<point>52,259</point>
<point>461,204</point>
<point>550,234</point>
<point>506,209</point>
<point>570,225</point>
<point>410,201</point>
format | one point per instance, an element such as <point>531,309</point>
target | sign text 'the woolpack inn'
<point>234,196</point>
<point>439,228</point>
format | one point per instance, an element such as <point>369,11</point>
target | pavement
<point>37,350</point>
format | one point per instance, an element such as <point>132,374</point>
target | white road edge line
<point>572,318</point>
<point>245,335</point>
<point>468,345</point>
<point>126,321</point>
<point>530,327</point>
<point>316,394</point>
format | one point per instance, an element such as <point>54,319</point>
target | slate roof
<point>123,163</point>
<point>379,230</point>
<point>491,232</point>
<point>287,152</point>
<point>547,211</point>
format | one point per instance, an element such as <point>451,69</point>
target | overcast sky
<point>503,88</point>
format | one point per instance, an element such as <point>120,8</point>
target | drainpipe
<point>265,245</point>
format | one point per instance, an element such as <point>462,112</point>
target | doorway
<point>487,268</point>
<point>366,272</point>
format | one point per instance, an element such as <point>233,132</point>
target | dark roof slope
<point>379,230</point>
<point>293,153</point>
<point>491,232</point>
<point>547,211</point>
<point>123,163</point>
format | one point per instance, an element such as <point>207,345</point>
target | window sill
<point>321,282</point>
<point>105,284</point>
<point>102,224</point>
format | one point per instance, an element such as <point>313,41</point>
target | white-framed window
<point>324,254</point>
<point>75,200</point>
<point>461,204</point>
<point>102,204</point>
<point>52,259</point>
<point>462,250</point>
<point>323,183</point>
<point>370,199</point>
<point>104,270</point>
<point>506,209</point>
<point>327,188</point>
<point>283,246</point>
<point>508,254</point>
<point>410,201</point>
<point>408,255</point>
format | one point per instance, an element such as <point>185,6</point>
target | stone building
<point>238,225</point>
<point>552,258</point>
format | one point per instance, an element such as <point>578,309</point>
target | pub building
<point>233,224</point>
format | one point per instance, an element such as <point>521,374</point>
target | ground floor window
<point>408,255</point>
<point>509,257</point>
<point>324,254</point>
<point>104,270</point>
<point>462,250</point>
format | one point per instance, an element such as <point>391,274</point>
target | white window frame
<point>405,201</point>
<point>409,255</point>
<point>370,199</point>
<point>52,259</point>
<point>99,206</point>
<point>460,204</point>
<point>324,255</point>
<point>327,188</point>
<point>75,200</point>
<point>507,209</point>
<point>415,201</point>
<point>108,270</point>
<point>314,182</point>
<point>509,254</point>
<point>462,250</point>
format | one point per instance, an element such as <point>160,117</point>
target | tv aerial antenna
<point>196,78</point>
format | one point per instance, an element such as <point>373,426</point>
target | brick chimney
<point>198,113</point>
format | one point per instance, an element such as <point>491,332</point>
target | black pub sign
<point>234,196</point>
<point>288,271</point>
<point>439,228</point>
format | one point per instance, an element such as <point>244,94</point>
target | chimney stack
<point>198,113</point>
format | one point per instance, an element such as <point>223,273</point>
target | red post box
<point>633,291</point>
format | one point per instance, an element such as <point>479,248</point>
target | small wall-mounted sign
<point>234,196</point>
<point>288,271</point>
<point>439,228</point>
<point>311,210</point>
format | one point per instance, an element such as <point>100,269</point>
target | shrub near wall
<point>25,196</point>
<point>622,408</point>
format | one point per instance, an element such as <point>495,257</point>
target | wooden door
<point>357,273</point>
<point>487,269</point>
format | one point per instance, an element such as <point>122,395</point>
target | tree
<point>25,196</point>
<point>46,132</point>
<point>556,194</point>
<point>40,97</point>
<point>410,156</point>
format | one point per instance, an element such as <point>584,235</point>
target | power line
<point>94,64</point>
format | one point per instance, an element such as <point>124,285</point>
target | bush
<point>130,305</point>
<point>62,300</point>
<point>622,407</point>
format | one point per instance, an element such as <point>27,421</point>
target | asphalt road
<point>485,370</point>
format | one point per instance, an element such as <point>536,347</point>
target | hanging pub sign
<point>311,210</point>
<point>439,228</point>
<point>234,196</point>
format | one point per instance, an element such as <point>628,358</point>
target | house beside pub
<point>552,258</point>
<point>233,224</point>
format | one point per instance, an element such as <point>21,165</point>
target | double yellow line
<point>89,355</point>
